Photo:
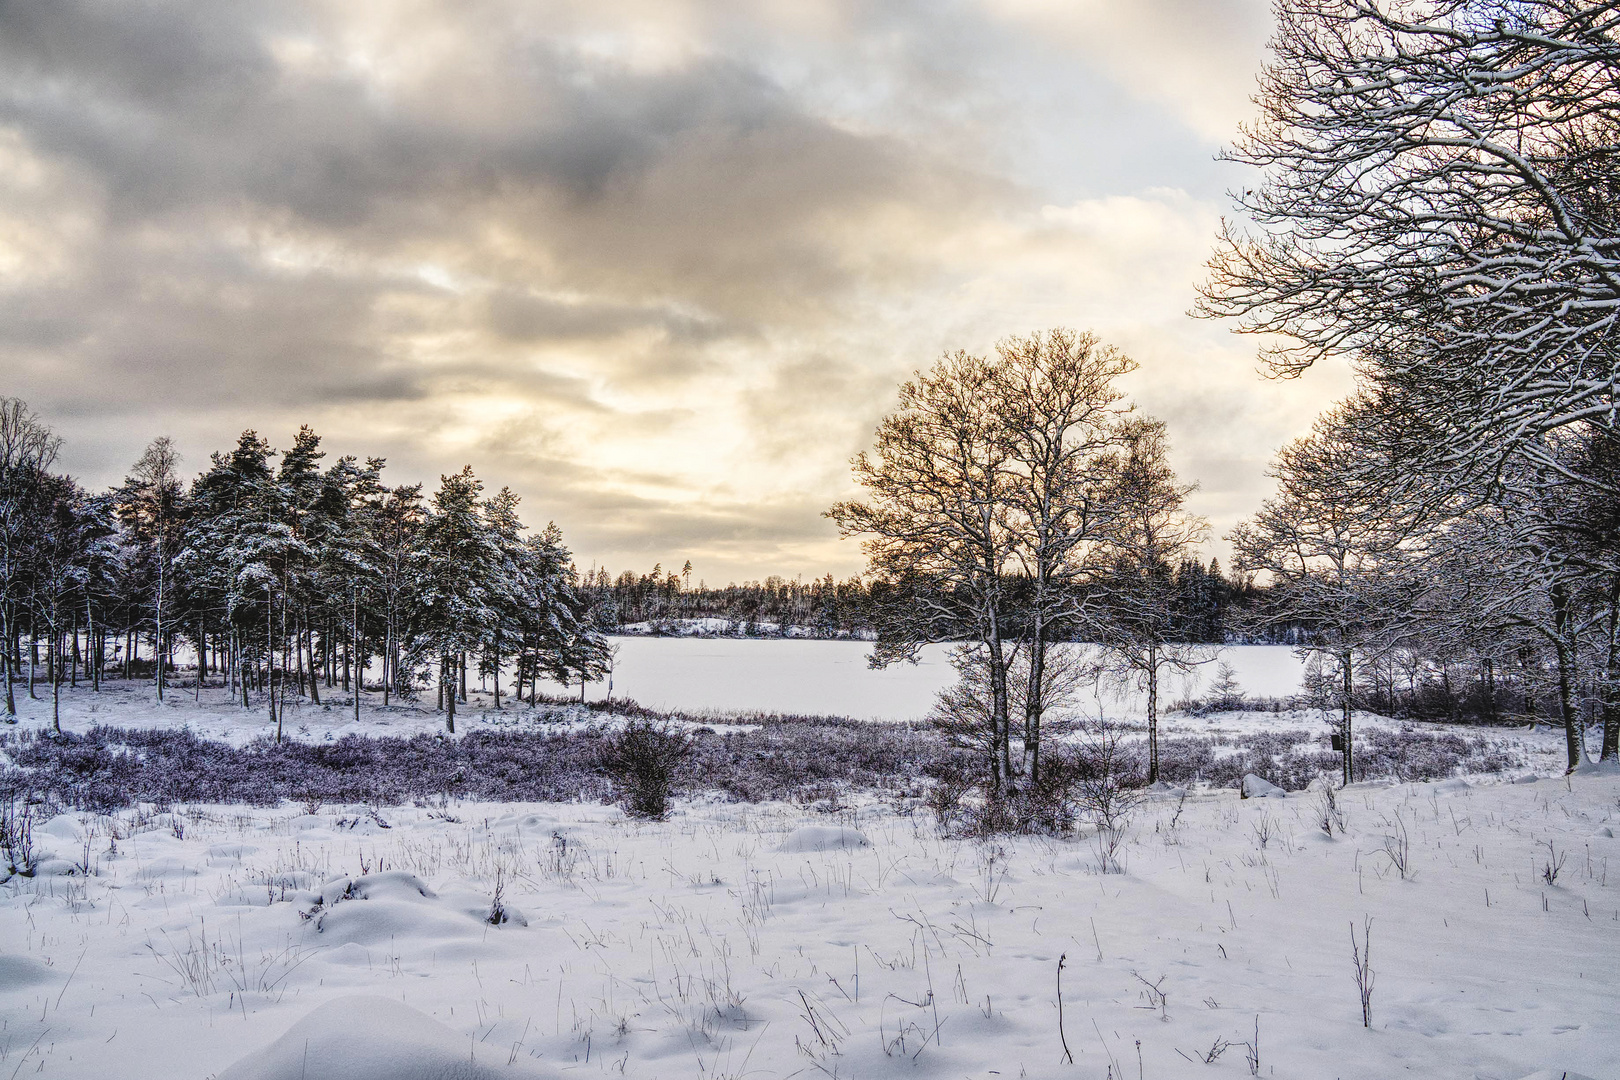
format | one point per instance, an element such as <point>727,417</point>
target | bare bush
<point>641,759</point>
<point>1397,846</point>
<point>1329,816</point>
<point>17,835</point>
<point>1107,786</point>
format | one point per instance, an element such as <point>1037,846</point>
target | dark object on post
<point>1338,742</point>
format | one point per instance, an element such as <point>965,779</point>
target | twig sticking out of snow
<point>1361,957</point>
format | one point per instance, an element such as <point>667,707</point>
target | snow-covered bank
<point>729,941</point>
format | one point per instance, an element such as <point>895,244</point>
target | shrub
<point>641,758</point>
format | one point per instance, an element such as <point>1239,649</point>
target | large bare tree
<point>935,524</point>
<point>1062,421</point>
<point>1438,202</point>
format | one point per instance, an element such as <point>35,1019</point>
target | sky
<point>657,265</point>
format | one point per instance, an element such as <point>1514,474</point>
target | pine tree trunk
<point>314,670</point>
<point>447,675</point>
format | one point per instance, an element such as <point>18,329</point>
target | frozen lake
<point>832,678</point>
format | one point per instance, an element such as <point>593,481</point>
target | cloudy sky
<point>656,264</point>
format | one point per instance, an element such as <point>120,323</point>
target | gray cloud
<point>656,265</point>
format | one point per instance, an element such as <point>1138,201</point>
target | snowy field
<point>355,942</point>
<point>759,941</point>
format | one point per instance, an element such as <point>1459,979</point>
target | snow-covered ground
<point>757,940</point>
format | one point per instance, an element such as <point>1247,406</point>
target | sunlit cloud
<point>657,266</point>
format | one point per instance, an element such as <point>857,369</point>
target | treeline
<point>281,575</point>
<point>1207,606</point>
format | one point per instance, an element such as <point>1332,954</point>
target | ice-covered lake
<point>832,677</point>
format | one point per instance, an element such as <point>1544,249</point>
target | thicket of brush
<point>799,759</point>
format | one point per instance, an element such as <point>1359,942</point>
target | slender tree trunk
<point>308,639</point>
<point>1153,711</point>
<point>461,670</point>
<point>447,675</point>
<point>270,659</point>
<point>73,658</point>
<point>54,655</point>
<point>33,660</point>
<point>1609,693</point>
<point>1001,748</point>
<point>1347,674</point>
<point>358,657</point>
<point>8,662</point>
<point>157,634</point>
<point>388,656</point>
<point>1564,653</point>
<point>1034,698</point>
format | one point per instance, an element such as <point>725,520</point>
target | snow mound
<point>370,1038</point>
<point>823,838</point>
<point>385,885</point>
<point>1555,1074</point>
<point>398,905</point>
<point>1255,787</point>
<point>1588,767</point>
<point>21,972</point>
<point>1456,783</point>
<point>166,867</point>
<point>51,866</point>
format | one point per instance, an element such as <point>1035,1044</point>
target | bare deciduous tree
<point>1439,205</point>
<point>1149,533</point>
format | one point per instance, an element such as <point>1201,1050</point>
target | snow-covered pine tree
<point>459,591</point>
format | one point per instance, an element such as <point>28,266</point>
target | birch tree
<point>1149,533</point>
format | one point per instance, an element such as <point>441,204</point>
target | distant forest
<point>1207,606</point>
